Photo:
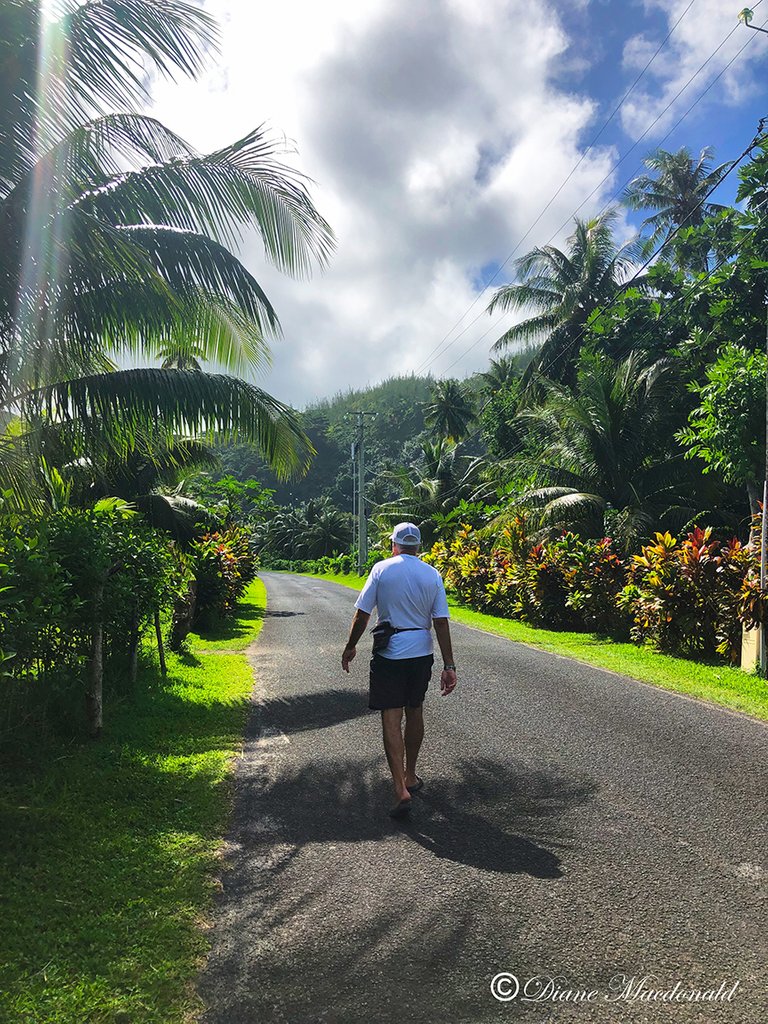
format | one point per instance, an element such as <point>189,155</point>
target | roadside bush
<point>49,570</point>
<point>75,584</point>
<point>592,575</point>
<point>40,621</point>
<point>693,597</point>
<point>223,564</point>
<point>688,597</point>
<point>567,583</point>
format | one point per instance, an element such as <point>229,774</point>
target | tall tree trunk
<point>160,649</point>
<point>133,650</point>
<point>93,696</point>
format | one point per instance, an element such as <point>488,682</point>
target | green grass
<point>238,631</point>
<point>111,847</point>
<point>740,691</point>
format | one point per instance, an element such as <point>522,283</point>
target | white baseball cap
<point>406,535</point>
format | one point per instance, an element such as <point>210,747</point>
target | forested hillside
<point>392,437</point>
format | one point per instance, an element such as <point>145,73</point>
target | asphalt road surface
<point>574,826</point>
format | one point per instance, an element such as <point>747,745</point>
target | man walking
<point>410,596</point>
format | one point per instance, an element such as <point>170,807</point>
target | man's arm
<point>359,623</point>
<point>448,676</point>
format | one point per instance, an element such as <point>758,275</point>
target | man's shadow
<point>495,816</point>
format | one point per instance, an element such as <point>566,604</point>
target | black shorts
<point>397,682</point>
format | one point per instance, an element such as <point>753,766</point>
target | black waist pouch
<point>383,632</point>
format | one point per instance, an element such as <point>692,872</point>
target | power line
<point>565,180</point>
<point>613,198</point>
<point>652,330</point>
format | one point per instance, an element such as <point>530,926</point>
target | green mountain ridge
<point>392,438</point>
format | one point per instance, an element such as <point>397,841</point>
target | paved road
<point>574,824</point>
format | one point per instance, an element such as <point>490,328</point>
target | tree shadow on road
<point>304,711</point>
<point>284,958</point>
<point>501,817</point>
<point>310,933</point>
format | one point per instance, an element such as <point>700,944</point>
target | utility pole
<point>362,533</point>
<point>354,495</point>
<point>745,17</point>
<point>764,531</point>
<point>358,484</point>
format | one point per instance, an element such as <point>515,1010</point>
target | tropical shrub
<point>38,610</point>
<point>77,588</point>
<point>50,568</point>
<point>223,564</point>
<point>693,596</point>
<point>593,575</point>
<point>688,597</point>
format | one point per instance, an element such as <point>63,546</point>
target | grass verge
<point>740,691</point>
<point>107,868</point>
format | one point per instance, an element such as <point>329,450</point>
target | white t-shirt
<point>408,593</point>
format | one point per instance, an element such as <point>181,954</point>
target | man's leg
<point>391,723</point>
<point>414,734</point>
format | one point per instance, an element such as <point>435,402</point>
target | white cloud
<point>436,135</point>
<point>710,27</point>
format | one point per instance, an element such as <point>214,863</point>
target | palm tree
<point>677,189</point>
<point>501,373</point>
<point>603,454</point>
<point>449,413</point>
<point>310,530</point>
<point>116,237</point>
<point>434,486</point>
<point>176,358</point>
<point>329,528</point>
<point>565,289</point>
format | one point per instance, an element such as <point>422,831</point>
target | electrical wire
<point>647,334</point>
<point>432,358</point>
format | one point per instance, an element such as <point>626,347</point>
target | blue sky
<point>437,133</point>
<point>603,28</point>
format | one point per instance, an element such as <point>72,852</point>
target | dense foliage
<point>78,588</point>
<point>118,247</point>
<point>689,596</point>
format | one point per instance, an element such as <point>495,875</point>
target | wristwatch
<point>450,667</point>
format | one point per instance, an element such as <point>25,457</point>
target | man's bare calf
<point>394,747</point>
<point>414,734</point>
<point>402,752</point>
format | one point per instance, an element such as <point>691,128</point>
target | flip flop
<point>400,810</point>
<point>418,785</point>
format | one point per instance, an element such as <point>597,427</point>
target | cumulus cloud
<point>708,42</point>
<point>436,133</point>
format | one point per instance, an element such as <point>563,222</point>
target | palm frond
<point>108,42</point>
<point>90,154</point>
<point>218,194</point>
<point>192,264</point>
<point>183,518</point>
<point>127,403</point>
